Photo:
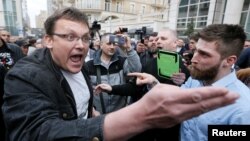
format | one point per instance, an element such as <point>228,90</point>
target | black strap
<point>98,71</point>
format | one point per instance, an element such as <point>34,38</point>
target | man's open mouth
<point>76,58</point>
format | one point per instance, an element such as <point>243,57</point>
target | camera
<point>94,32</point>
<point>122,30</point>
<point>117,40</point>
<point>95,26</point>
<point>141,32</point>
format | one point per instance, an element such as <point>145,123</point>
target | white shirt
<point>80,91</point>
<point>87,58</point>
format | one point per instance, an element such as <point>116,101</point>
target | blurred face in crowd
<point>247,44</point>
<point>180,43</point>
<point>96,45</point>
<point>39,43</point>
<point>140,47</point>
<point>108,49</point>
<point>192,44</point>
<point>152,44</point>
<point>166,40</point>
<point>146,40</point>
<point>69,44</point>
<point>5,35</point>
<point>206,62</point>
<point>25,49</point>
<point>13,39</point>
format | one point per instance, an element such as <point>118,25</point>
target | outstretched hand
<point>164,106</point>
<point>102,88</point>
<point>143,78</point>
<point>180,104</point>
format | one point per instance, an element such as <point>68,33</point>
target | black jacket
<point>6,64</point>
<point>2,74</point>
<point>39,104</point>
<point>161,134</point>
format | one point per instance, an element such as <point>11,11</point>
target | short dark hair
<point>230,38</point>
<point>146,37</point>
<point>22,43</point>
<point>194,36</point>
<point>154,34</point>
<point>68,13</point>
<point>105,35</point>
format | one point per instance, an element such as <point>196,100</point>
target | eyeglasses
<point>73,38</point>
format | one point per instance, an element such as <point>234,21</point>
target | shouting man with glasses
<point>48,95</point>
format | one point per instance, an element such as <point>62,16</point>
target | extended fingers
<point>200,104</point>
<point>203,93</point>
<point>136,74</point>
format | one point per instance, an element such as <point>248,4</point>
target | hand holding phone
<point>167,63</point>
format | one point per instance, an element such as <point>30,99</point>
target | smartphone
<point>118,40</point>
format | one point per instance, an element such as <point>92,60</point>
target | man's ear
<point>229,61</point>
<point>175,44</point>
<point>48,41</point>
<point>101,44</point>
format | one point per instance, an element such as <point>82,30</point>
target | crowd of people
<point>70,86</point>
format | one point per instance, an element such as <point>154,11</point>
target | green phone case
<point>167,63</point>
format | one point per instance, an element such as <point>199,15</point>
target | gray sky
<point>34,8</point>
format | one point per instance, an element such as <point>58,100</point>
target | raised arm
<point>162,107</point>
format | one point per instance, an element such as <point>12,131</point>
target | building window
<point>192,10</point>
<point>132,8</point>
<point>107,5</point>
<point>87,4</point>
<point>246,5</point>
<point>191,20</point>
<point>118,7</point>
<point>10,16</point>
<point>247,29</point>
<point>182,12</point>
<point>143,7</point>
<point>203,10</point>
<point>201,24</point>
<point>184,2</point>
<point>181,25</point>
<point>204,18</point>
<point>194,1</point>
<point>204,0</point>
<point>243,18</point>
<point>96,4</point>
<point>89,18</point>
